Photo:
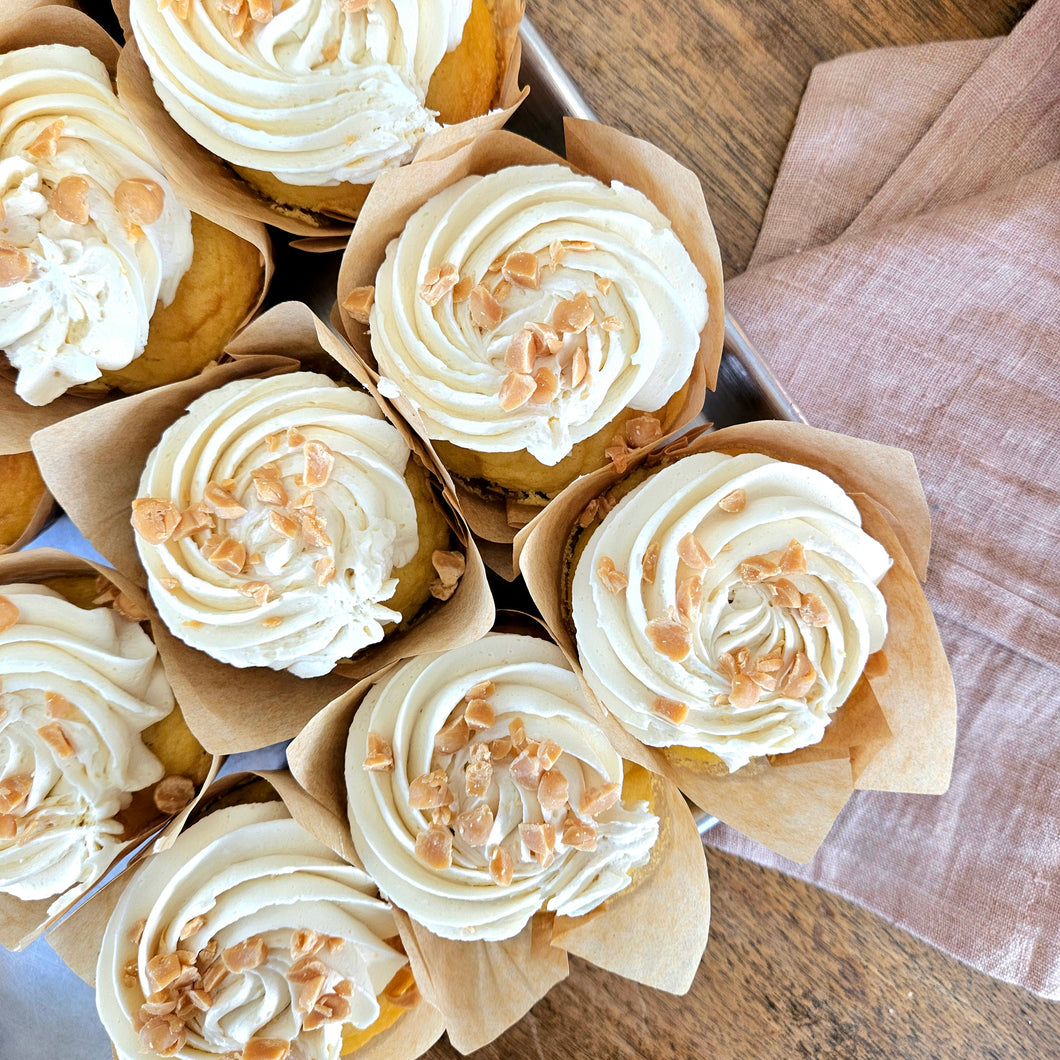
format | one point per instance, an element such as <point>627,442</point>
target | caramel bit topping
<point>643,430</point>
<point>47,141</point>
<point>800,677</point>
<point>15,266</point>
<point>307,968</point>
<point>502,290</point>
<point>517,733</point>
<point>483,690</point>
<point>693,554</point>
<point>163,1035</point>
<point>8,827</point>
<point>733,502</point>
<point>589,512</point>
<point>756,569</point>
<point>485,310</point>
<point>474,826</point>
<point>55,737</point>
<point>573,315</point>
<point>173,793</point>
<point>271,622</point>
<point>618,453</point>
<point>650,563</point>
<point>548,753</point>
<point>526,769</point>
<point>744,692</point>
<point>304,941</point>
<point>784,592</point>
<point>501,747</point>
<point>450,567</point>
<point>579,245</point>
<point>434,847</point>
<point>229,556</point>
<point>603,284</point>
<point>220,501</point>
<point>671,710</point>
<point>479,770</point>
<point>190,928</point>
<point>670,638</point>
<point>877,665</point>
<point>309,993</point>
<point>14,790</point>
<point>813,611</point>
<point>319,463</point>
<point>266,1048</point>
<point>516,390</point>
<point>283,524</point>
<point>163,969</point>
<point>380,756</point>
<point>452,737</point>
<point>555,254</point>
<point>430,790</point>
<point>612,579</point>
<point>313,530</point>
<point>540,841</point>
<point>70,199</point>
<point>552,790</point>
<point>438,283</point>
<point>8,613</point>
<point>192,521</point>
<point>139,200</point>
<point>160,1003</point>
<point>689,599</point>
<point>246,955</point>
<point>295,437</point>
<point>358,303</point>
<point>522,269</point>
<point>501,867</point>
<point>479,714</point>
<point>257,591</point>
<point>596,801</point>
<point>154,519</point>
<point>793,561</point>
<point>579,366</point>
<point>325,570</point>
<point>612,324</point>
<point>578,834</point>
<point>268,485</point>
<point>442,816</point>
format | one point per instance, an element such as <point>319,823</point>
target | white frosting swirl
<point>314,614</point>
<point>243,874</point>
<point>86,302</point>
<point>77,687</point>
<point>734,621</point>
<point>316,95</point>
<point>649,307</point>
<point>407,708</point>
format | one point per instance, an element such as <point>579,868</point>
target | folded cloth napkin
<point>906,288</point>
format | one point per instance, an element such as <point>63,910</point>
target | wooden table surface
<point>790,970</point>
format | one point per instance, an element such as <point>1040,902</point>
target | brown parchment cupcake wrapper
<point>482,988</point>
<point>227,708</point>
<point>22,921</point>
<point>217,181</point>
<point>77,939</point>
<point>50,24</point>
<point>895,733</point>
<point>598,150</point>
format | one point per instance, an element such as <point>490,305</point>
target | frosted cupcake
<point>482,791</point>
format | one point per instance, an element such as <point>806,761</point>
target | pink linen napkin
<point>906,288</point>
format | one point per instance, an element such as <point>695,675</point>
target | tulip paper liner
<point>23,921</point>
<point>232,709</point>
<point>78,939</point>
<point>597,150</point>
<point>483,987</point>
<point>192,164</point>
<point>896,732</point>
<point>51,24</point>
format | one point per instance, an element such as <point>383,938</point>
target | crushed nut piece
<point>733,502</point>
<point>579,366</point>
<point>612,323</point>
<point>650,563</point>
<point>784,592</point>
<point>309,993</point>
<point>555,254</point>
<point>430,790</point>
<point>793,561</point>
<point>257,591</point>
<point>501,867</point>
<point>573,315</point>
<point>745,692</point>
<point>163,969</point>
<point>220,501</point>
<point>578,834</point>
<point>727,666</point>
<point>172,793</point>
<point>813,611</point>
<point>463,289</point>
<point>672,710</point>
<point>693,554</point>
<point>516,390</point>
<point>618,453</point>
<point>603,284</point>
<point>325,570</point>
<point>800,678</point>
<point>319,463</point>
<point>474,825</point>
<point>283,524</point>
<point>313,530</point>
<point>434,847</point>
<point>548,753</point>
<point>483,690</point>
<point>502,290</point>
<point>46,142</point>
<point>380,756</point>
<point>479,714</point>
<point>452,737</point>
<point>295,437</point>
<point>485,310</point>
<point>70,199</point>
<point>304,941</point>
<point>192,520</point>
<point>670,638</point>
<point>163,1035</point>
<point>756,569</point>
<point>449,565</point>
<point>154,519</point>
<point>522,269</point>
<point>306,968</point>
<point>190,928</point>
<point>8,827</point>
<point>612,579</point>
<point>643,430</point>
<point>15,265</point>
<point>139,200</point>
<point>230,556</point>
<point>523,349</point>
<point>552,790</point>
<point>547,386</point>
<point>14,790</point>
<point>596,801</point>
<point>517,732</point>
<point>437,283</point>
<point>246,955</point>
<point>55,737</point>
<point>358,303</point>
<point>266,1049</point>
<point>540,842</point>
<point>689,599</point>
<point>57,706</point>
<point>479,770</point>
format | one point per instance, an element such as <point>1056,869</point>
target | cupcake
<point>107,280</point>
<point>250,938</point>
<point>282,524</point>
<point>93,749</point>
<point>481,791</point>
<point>27,503</point>
<point>310,101</point>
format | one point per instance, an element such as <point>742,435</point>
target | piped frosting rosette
<point>270,520</point>
<point>247,937</point>
<point>315,92</point>
<point>481,791</point>
<point>729,603</point>
<point>77,687</point>
<point>527,308</point>
<point>91,234</point>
